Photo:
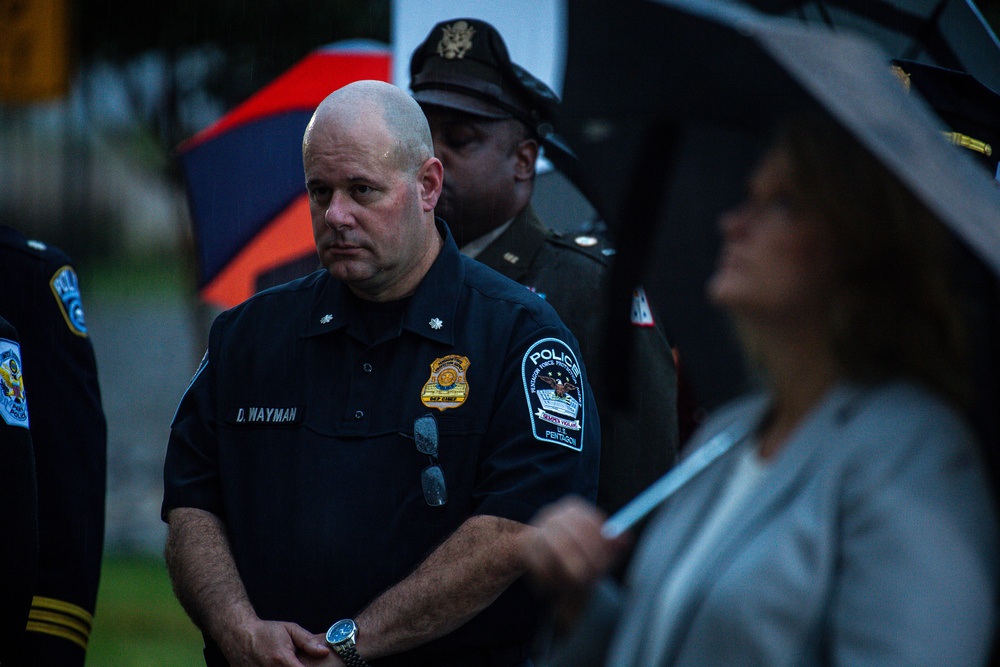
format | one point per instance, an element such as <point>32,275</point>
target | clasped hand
<point>278,644</point>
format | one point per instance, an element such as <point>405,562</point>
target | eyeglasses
<point>425,435</point>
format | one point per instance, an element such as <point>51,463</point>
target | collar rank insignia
<point>435,323</point>
<point>446,387</point>
<point>13,400</point>
<point>553,387</point>
<point>457,39</point>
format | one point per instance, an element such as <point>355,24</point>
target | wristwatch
<point>341,638</point>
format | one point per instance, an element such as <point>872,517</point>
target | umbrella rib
<point>886,15</point>
<point>825,15</point>
<point>931,37</point>
<point>925,33</point>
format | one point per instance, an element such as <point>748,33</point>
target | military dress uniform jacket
<point>41,298</point>
<point>297,432</point>
<point>639,444</point>
<point>18,502</point>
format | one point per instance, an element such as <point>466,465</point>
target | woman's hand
<point>567,554</point>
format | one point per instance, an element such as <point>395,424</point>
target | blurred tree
<point>257,40</point>
<point>148,75</point>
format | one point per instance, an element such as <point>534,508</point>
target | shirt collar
<point>433,308</point>
<point>473,248</point>
<point>513,252</point>
<point>431,312</point>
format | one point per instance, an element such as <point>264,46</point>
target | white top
<point>747,474</point>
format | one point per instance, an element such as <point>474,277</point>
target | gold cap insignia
<point>456,41</point>
<point>446,387</point>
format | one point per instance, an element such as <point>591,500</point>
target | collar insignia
<point>446,387</point>
<point>457,39</point>
<point>436,323</point>
<point>326,319</point>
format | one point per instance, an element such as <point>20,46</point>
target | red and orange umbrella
<point>244,173</point>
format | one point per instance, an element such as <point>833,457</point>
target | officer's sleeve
<point>190,471</point>
<point>69,433</point>
<point>18,501</point>
<point>544,435</point>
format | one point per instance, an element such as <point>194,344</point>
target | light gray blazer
<point>872,541</point>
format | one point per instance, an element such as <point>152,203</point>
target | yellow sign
<point>446,387</point>
<point>34,50</point>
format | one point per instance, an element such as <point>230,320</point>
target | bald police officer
<point>488,117</point>
<point>369,442</point>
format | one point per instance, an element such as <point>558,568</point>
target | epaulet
<point>54,267</point>
<point>588,245</point>
<point>15,241</point>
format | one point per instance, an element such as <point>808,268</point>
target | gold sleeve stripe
<point>68,608</point>
<point>60,619</point>
<point>58,631</point>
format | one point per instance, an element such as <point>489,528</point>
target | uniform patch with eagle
<point>553,387</point>
<point>13,400</point>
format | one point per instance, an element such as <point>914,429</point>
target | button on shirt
<point>307,455</point>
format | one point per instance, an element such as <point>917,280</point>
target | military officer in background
<point>970,115</point>
<point>41,298</point>
<point>489,117</point>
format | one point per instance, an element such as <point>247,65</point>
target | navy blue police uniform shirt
<point>297,432</point>
<point>42,300</point>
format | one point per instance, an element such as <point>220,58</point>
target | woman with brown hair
<point>849,520</point>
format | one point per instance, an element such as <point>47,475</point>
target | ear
<point>430,176</point>
<point>525,156</point>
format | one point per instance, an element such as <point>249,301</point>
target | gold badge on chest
<point>446,387</point>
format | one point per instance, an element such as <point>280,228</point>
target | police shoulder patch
<point>13,400</point>
<point>553,388</point>
<point>66,288</point>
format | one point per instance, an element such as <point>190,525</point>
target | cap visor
<point>453,100</point>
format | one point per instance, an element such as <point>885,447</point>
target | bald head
<point>373,183</point>
<point>351,108</point>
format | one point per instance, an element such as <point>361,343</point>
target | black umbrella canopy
<point>686,64</point>
<point>658,91</point>
<point>946,33</point>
